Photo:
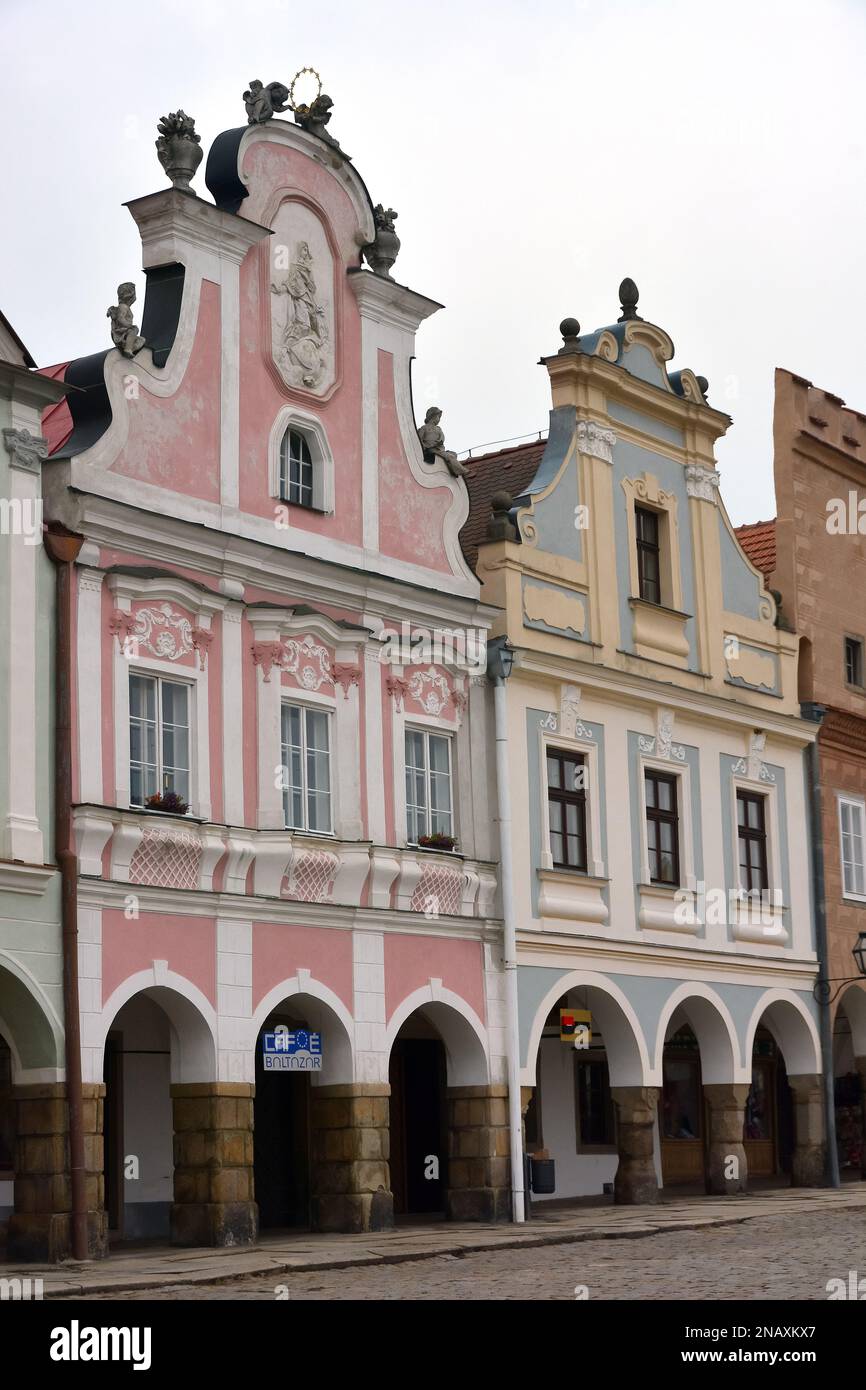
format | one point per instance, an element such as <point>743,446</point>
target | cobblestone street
<point>789,1256</point>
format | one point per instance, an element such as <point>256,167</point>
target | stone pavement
<point>155,1267</point>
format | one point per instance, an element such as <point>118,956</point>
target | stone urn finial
<point>382,252</point>
<point>628,298</point>
<point>179,148</point>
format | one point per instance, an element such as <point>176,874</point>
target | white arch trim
<point>712,1033</point>
<point>643,1075</point>
<point>853,1005</point>
<point>304,983</point>
<point>24,1076</point>
<point>193,1058</point>
<point>462,1070</point>
<point>799,1041</point>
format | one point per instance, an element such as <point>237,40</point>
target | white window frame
<point>414,726</point>
<point>308,706</point>
<point>595,866</point>
<point>858,804</point>
<point>291,418</point>
<point>142,672</point>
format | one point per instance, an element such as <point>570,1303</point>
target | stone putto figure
<point>124,333</point>
<point>433,443</point>
<point>315,117</point>
<point>262,102</point>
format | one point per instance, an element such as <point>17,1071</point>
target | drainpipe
<point>500,661</point>
<point>813,763</point>
<point>63,549</point>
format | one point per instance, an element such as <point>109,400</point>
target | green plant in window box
<point>437,841</point>
<point>169,802</point>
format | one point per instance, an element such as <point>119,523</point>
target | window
<point>851,826</point>
<point>158,738</point>
<point>662,827</point>
<point>306,768</point>
<point>296,469</point>
<point>854,661</point>
<point>566,808</point>
<point>428,785</point>
<point>7,1111</point>
<point>593,1102</point>
<point>752,836</point>
<point>648,555</point>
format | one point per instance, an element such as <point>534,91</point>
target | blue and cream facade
<point>652,683</point>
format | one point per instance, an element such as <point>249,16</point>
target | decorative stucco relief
<point>302,300</point>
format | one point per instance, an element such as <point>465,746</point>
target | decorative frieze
<point>702,483</point>
<point>595,440</point>
<point>25,450</point>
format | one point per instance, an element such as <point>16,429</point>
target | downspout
<point>503,796</point>
<point>813,763</point>
<point>63,549</point>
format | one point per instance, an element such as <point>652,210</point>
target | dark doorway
<point>281,1120</point>
<point>418,1129</point>
<point>113,1133</point>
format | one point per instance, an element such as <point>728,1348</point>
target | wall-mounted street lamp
<point>822,988</point>
<point>500,659</point>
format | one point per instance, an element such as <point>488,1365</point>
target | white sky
<point>535,154</point>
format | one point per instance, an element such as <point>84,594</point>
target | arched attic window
<point>302,466</point>
<point>297,474</point>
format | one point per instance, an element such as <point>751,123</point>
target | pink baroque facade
<point>258,517</point>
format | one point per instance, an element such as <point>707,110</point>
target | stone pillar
<point>636,1107</point>
<point>860,1064</point>
<point>479,1166</point>
<point>40,1228</point>
<point>350,1177</point>
<point>808,1094</point>
<point>213,1164</point>
<point>726,1106</point>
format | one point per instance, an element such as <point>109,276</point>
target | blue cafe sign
<point>285,1050</point>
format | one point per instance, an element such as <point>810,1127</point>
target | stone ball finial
<point>703,385</point>
<point>500,527</point>
<point>628,298</point>
<point>570,330</point>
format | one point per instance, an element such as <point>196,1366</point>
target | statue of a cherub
<point>433,444</point>
<point>124,333</point>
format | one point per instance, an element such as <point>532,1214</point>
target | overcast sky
<point>536,154</point>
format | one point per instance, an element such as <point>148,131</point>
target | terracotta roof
<point>758,539</point>
<point>508,470</point>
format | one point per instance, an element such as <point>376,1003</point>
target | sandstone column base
<point>727,1104</point>
<point>213,1165</point>
<point>479,1167</point>
<point>809,1141</point>
<point>40,1228</point>
<point>350,1177</point>
<point>636,1107</point>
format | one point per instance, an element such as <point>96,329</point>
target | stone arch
<point>191,1018</point>
<point>30,1026</point>
<point>459,1027</point>
<point>786,1016</point>
<point>629,1062</point>
<point>710,1020</point>
<point>852,1004</point>
<point>323,1007</point>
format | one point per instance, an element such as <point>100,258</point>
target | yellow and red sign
<point>575,1024</point>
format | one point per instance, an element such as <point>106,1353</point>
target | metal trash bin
<point>543,1176</point>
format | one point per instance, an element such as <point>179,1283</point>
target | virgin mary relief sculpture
<point>302,309</point>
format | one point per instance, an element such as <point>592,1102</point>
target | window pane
<point>142,697</point>
<point>650,784</point>
<point>414,749</point>
<point>175,703</point>
<point>439,754</point>
<point>553,777</point>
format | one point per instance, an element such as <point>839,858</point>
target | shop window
<point>593,1102</point>
<point>7,1112</point>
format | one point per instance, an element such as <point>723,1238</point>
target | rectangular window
<point>662,827</point>
<point>752,837</point>
<point>158,738</point>
<point>854,661</point>
<point>566,808</point>
<point>648,555</point>
<point>593,1102</point>
<point>428,785</point>
<point>306,768</point>
<point>851,825</point>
